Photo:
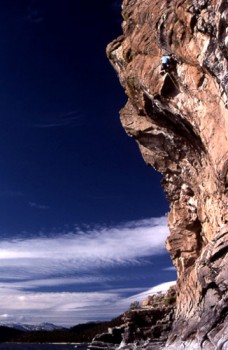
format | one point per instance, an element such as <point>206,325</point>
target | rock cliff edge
<point>180,122</point>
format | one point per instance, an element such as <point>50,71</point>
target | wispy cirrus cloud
<point>38,206</point>
<point>71,118</point>
<point>163,287</point>
<point>79,275</point>
<point>70,308</point>
<point>170,268</point>
<point>100,247</point>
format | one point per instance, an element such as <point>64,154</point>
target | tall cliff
<point>180,122</point>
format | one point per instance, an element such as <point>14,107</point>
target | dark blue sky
<point>62,145</point>
<point>65,161</point>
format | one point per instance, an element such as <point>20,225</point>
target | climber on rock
<point>168,63</point>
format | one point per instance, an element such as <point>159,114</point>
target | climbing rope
<point>174,83</point>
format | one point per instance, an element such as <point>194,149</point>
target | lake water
<point>25,346</point>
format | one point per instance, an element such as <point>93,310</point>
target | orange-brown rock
<point>160,299</point>
<point>180,122</point>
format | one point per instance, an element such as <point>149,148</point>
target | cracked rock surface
<point>180,123</point>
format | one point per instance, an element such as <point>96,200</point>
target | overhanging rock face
<point>180,122</point>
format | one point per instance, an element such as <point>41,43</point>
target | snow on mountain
<point>28,327</point>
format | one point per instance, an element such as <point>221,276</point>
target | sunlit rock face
<point>180,122</point>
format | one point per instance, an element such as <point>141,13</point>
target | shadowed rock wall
<point>180,122</point>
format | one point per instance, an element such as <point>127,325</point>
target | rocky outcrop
<point>109,340</point>
<point>153,321</point>
<point>180,122</point>
<point>144,327</point>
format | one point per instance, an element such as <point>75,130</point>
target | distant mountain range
<point>28,327</point>
<point>50,333</point>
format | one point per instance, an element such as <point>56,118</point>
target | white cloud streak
<point>95,248</point>
<point>38,206</point>
<point>70,118</point>
<point>163,287</point>
<point>69,308</point>
<point>28,266</point>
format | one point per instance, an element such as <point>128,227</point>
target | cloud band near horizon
<point>42,278</point>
